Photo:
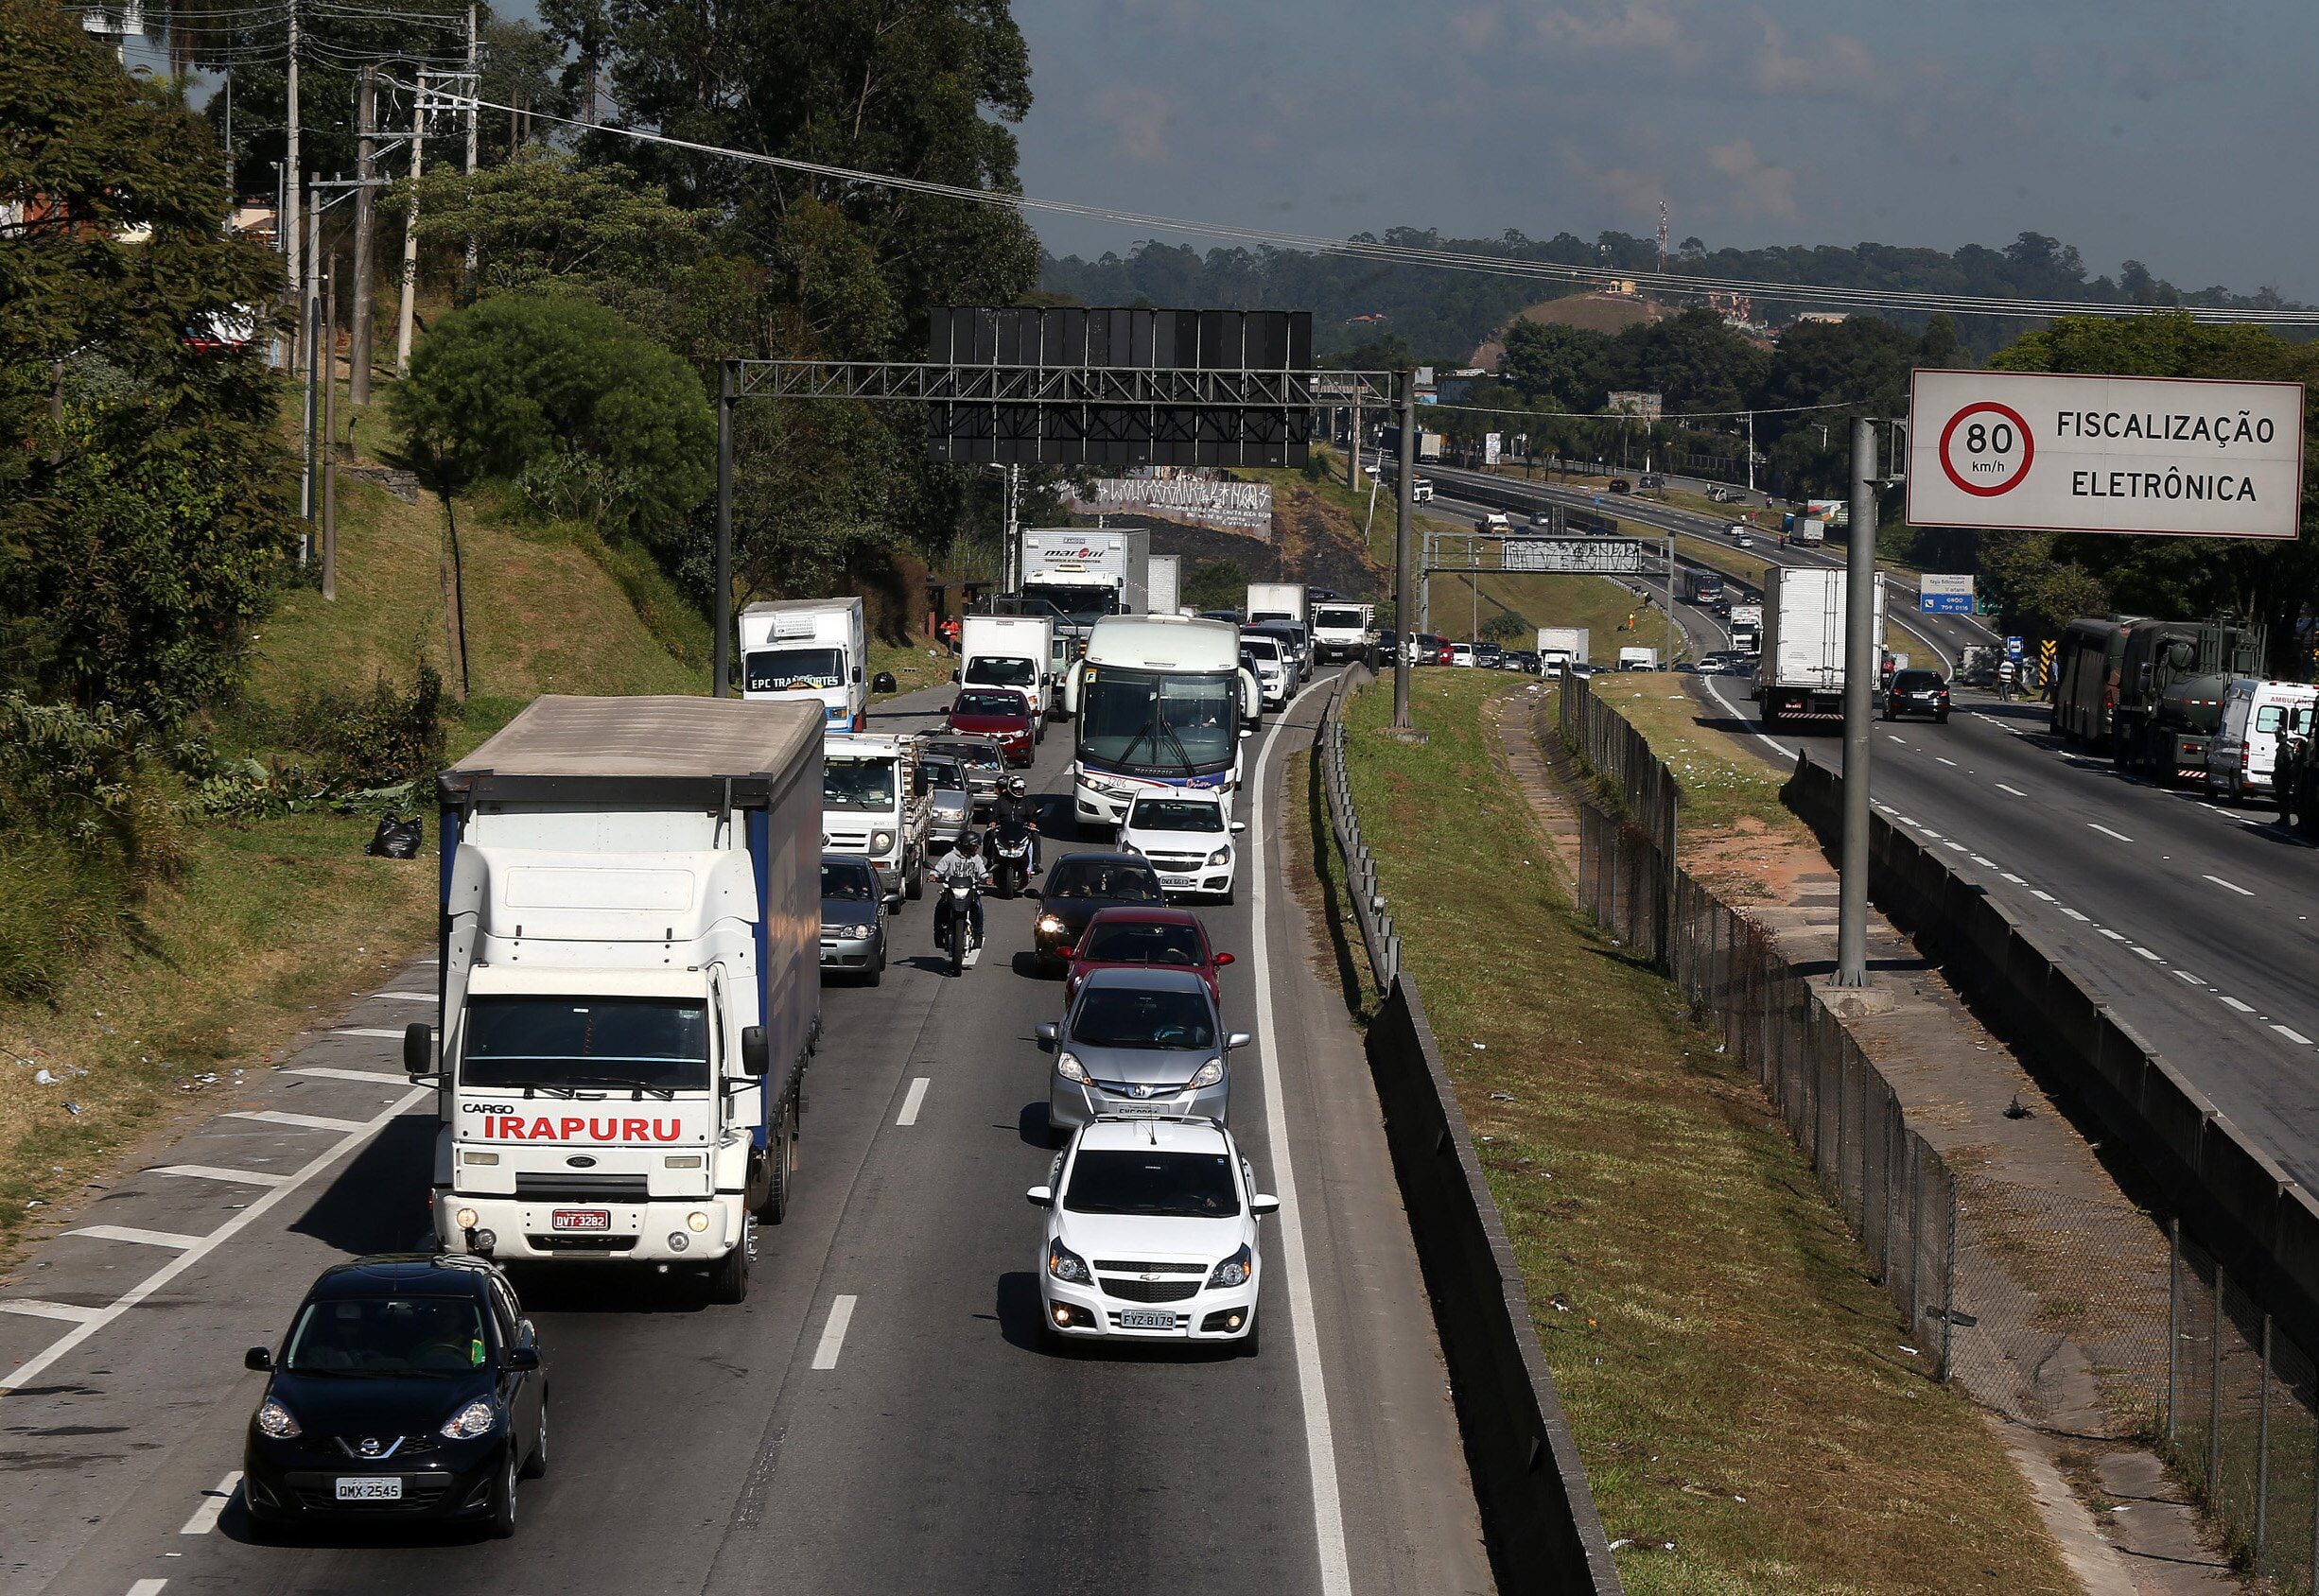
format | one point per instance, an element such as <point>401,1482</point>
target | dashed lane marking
<point>40,1308</point>
<point>142,1238</point>
<point>371,1077</point>
<point>300,1122</point>
<point>2082,919</point>
<point>2015,791</point>
<point>1985,863</point>
<point>2242,1008</point>
<point>384,1033</point>
<point>2145,953</point>
<point>149,1588</point>
<point>2107,832</point>
<point>2010,876</point>
<point>833,1333</point>
<point>2188,977</point>
<point>909,1116</point>
<point>2230,886</point>
<point>2042,896</point>
<point>211,1171</point>
<point>406,997</point>
<point>2114,936</point>
<point>1950,763</point>
<point>2293,1036</point>
<point>213,1502</point>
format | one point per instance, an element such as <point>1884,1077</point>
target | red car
<point>1446,653</point>
<point>1133,937</point>
<point>999,712</point>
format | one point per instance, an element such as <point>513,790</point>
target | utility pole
<point>410,231</point>
<point>330,432</point>
<point>475,90</point>
<point>292,175</point>
<point>365,307</point>
<point>309,313</point>
<point>1859,680</point>
<point>1670,600</point>
<point>1405,550</point>
<point>1011,551</point>
<point>1750,451</point>
<point>722,615</point>
<point>1353,455</point>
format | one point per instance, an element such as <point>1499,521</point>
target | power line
<point>1669,283</point>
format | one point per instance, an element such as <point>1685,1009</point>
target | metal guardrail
<point>1369,912</point>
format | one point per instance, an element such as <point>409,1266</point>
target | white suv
<point>1150,1235</point>
<point>1185,835</point>
<point>1274,668</point>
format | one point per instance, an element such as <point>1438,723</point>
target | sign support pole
<point>723,651</point>
<point>1670,600</point>
<point>1405,548</point>
<point>1859,680</point>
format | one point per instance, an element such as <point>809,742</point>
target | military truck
<point>2171,678</point>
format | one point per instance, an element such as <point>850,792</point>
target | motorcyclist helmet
<point>1017,786</point>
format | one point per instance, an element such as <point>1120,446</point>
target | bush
<point>381,738</point>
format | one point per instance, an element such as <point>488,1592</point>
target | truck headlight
<point>1210,1073</point>
<point>881,842</point>
<point>1070,1069</point>
<point>465,1219</point>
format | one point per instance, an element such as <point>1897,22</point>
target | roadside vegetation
<point>1750,1416</point>
<point>1724,786</point>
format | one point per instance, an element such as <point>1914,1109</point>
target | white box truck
<point>630,982</point>
<point>1087,573</point>
<point>813,649</point>
<point>1165,580</point>
<point>1343,630</point>
<point>1633,658</point>
<point>1800,667</point>
<point>1277,602</point>
<point>1016,651</point>
<point>870,806</point>
<point>1747,627</point>
<point>1561,646</point>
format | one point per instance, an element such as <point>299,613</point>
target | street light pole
<point>1859,682</point>
<point>1404,550</point>
<point>722,654</point>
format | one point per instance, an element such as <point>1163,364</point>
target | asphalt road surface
<point>878,1416</point>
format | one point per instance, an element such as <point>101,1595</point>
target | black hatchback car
<point>1917,692</point>
<point>409,1386</point>
<point>1079,884</point>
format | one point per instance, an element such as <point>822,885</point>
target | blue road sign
<point>1945,604</point>
<point>2013,648</point>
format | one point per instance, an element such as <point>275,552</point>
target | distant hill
<point>1596,313</point>
<point>1444,315</point>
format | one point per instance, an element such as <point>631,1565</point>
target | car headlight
<point>1131,848</point>
<point>861,931</point>
<point>1210,1073</point>
<point>1070,1068</point>
<point>881,842</point>
<point>473,1419</point>
<point>274,1419</point>
<point>1222,855</point>
<point>1064,1265</point>
<point>1052,925</point>
<point>1235,1269</point>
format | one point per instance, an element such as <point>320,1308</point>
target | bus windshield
<point>1150,722</point>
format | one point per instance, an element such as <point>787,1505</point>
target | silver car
<point>853,918</point>
<point>942,780</point>
<point>1138,1042</point>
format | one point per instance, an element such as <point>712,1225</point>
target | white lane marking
<point>1989,862</point>
<point>372,1077</point>
<point>2082,919</point>
<point>1932,833</point>
<point>2188,977</point>
<point>384,1033</point>
<point>32,1368</point>
<point>2230,886</point>
<point>833,1333</point>
<point>2242,1008</point>
<point>143,1237</point>
<point>1906,821</point>
<point>1320,1438</point>
<point>40,1308</point>
<point>406,997</point>
<point>2293,1036</point>
<point>2145,953</point>
<point>1902,741</point>
<point>2015,791</point>
<point>1959,847</point>
<point>2114,936</point>
<point>302,1121</point>
<point>909,1116</point>
<point>2041,895</point>
<point>1950,763</point>
<point>211,1171</point>
<point>2107,832</point>
<point>2010,876</point>
<point>213,1502</point>
<point>149,1588</point>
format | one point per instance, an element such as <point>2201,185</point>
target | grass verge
<point>1748,1414</point>
<point>1724,786</point>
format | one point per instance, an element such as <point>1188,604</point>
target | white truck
<point>1286,602</point>
<point>1808,532</point>
<point>871,806</point>
<point>1343,630</point>
<point>813,649</point>
<point>1014,652</point>
<point>630,982</point>
<point>1800,666</point>
<point>1747,627</point>
<point>1087,573</point>
<point>1561,646</point>
<point>1631,658</point>
<point>1165,584</point>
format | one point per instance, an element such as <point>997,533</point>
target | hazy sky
<point>2178,134</point>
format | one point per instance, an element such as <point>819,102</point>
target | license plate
<point>368,1488</point>
<point>1133,1321</point>
<point>581,1218</point>
<point>1132,1108</point>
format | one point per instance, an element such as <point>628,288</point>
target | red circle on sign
<point>2028,448</point>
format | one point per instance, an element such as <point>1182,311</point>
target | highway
<point>878,1416</point>
<point>2191,920</point>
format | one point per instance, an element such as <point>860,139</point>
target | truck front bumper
<point>660,1230</point>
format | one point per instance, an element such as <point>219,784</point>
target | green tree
<point>542,219</point>
<point>1694,359</point>
<point>1559,365</point>
<point>586,414</point>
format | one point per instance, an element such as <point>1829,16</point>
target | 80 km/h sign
<point>2101,454</point>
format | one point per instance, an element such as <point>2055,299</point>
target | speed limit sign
<point>2047,452</point>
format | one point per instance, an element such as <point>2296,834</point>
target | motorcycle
<point>956,932</point>
<point>1010,864</point>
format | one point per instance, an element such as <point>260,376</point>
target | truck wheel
<point>728,1277</point>
<point>1772,719</point>
<point>914,877</point>
<point>780,1169</point>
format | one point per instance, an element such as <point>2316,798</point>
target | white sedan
<point>1186,836</point>
<point>1150,1235</point>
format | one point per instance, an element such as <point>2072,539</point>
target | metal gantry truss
<point>1073,387</point>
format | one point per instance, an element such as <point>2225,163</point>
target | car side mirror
<point>419,1053</point>
<point>1246,732</point>
<point>1237,1040</point>
<point>1263,1203</point>
<point>1049,1032</point>
<point>1222,960</point>
<point>258,1358</point>
<point>1239,825</point>
<point>756,1053</point>
<point>1040,1196</point>
<point>521,1360</point>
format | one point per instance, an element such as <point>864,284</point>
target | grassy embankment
<point>1724,786</point>
<point>273,922</point>
<point>1747,1411</point>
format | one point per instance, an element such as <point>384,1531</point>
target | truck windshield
<point>857,784</point>
<point>1152,722</point>
<point>1338,620</point>
<point>775,671</point>
<point>656,1044</point>
<point>994,670</point>
<point>1081,603</point>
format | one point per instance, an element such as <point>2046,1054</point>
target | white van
<point>2243,755</point>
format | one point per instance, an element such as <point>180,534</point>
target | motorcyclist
<point>1013,816</point>
<point>962,866</point>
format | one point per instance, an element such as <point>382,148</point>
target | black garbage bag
<point>883,683</point>
<point>398,837</point>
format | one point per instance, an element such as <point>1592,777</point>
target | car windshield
<point>1262,648</point>
<point>1123,883</point>
<point>992,703</point>
<point>994,670</point>
<point>848,881</point>
<point>775,671</point>
<point>651,1044</point>
<point>857,784</point>
<point>1134,943</point>
<point>1174,814</point>
<point>1148,1181</point>
<point>387,1336</point>
<point>1128,1016</point>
